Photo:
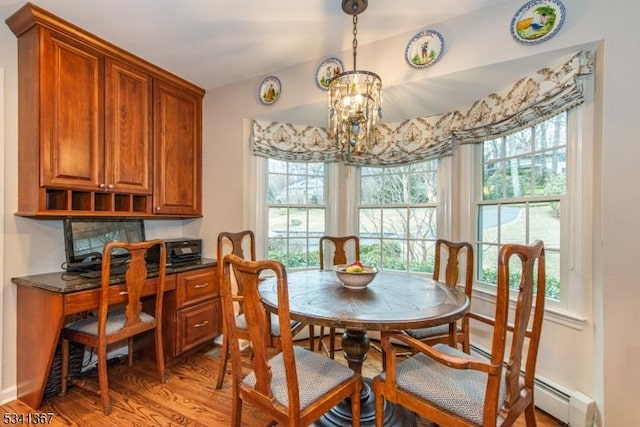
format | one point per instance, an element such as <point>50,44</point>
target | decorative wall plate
<point>424,49</point>
<point>327,70</point>
<point>537,21</point>
<point>269,90</point>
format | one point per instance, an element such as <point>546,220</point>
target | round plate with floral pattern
<point>424,49</point>
<point>537,21</point>
<point>327,70</point>
<point>269,90</point>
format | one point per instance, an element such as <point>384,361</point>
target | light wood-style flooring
<point>188,399</point>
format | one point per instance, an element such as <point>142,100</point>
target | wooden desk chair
<point>238,243</point>
<point>450,387</point>
<point>296,386</point>
<point>110,326</point>
<point>339,246</point>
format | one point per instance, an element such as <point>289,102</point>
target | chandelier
<point>355,98</point>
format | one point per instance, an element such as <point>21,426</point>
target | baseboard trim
<point>573,408</point>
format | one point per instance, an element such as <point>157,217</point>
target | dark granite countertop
<point>64,282</point>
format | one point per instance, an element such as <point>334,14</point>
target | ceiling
<point>213,43</point>
<point>216,42</point>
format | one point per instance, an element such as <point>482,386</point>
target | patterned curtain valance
<point>284,141</point>
<point>529,101</point>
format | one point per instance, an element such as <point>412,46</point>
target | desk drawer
<point>196,286</point>
<point>197,324</point>
<point>76,302</point>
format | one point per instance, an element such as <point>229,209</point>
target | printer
<point>179,251</point>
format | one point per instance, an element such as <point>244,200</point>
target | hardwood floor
<point>188,399</point>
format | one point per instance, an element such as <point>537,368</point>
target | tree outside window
<point>397,216</point>
<point>524,180</point>
<point>296,212</point>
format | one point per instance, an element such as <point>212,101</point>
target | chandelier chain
<point>355,39</point>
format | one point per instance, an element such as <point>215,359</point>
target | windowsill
<point>553,314</point>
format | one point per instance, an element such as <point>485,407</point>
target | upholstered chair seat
<point>115,322</point>
<point>241,322</point>
<point>460,392</point>
<point>308,367</point>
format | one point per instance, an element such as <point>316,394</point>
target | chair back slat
<point>135,278</point>
<point>238,242</point>
<point>527,320</point>
<point>258,323</point>
<point>456,250</point>
<point>339,246</point>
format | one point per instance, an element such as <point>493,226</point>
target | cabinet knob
<point>101,186</point>
<point>110,186</point>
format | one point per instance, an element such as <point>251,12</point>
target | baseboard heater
<point>573,408</point>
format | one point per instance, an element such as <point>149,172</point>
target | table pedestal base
<point>355,344</point>
<point>340,415</point>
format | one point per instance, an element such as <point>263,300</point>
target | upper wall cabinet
<point>178,150</point>
<point>101,132</point>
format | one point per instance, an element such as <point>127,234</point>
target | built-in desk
<point>192,315</point>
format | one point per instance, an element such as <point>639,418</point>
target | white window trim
<point>576,236</point>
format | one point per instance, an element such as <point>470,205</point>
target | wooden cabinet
<point>70,99</point>
<point>97,126</point>
<point>178,150</point>
<point>128,128</point>
<point>192,316</point>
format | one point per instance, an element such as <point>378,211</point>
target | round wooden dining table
<point>391,302</point>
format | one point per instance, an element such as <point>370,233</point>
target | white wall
<point>475,40</point>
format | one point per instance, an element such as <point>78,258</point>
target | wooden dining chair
<point>112,325</point>
<point>339,246</point>
<point>450,387</point>
<point>239,243</point>
<point>295,386</point>
<point>455,252</point>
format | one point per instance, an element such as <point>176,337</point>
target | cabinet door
<point>128,153</point>
<point>177,150</point>
<point>71,113</point>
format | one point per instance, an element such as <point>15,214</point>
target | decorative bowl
<point>356,280</point>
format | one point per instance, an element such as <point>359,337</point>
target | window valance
<point>530,100</point>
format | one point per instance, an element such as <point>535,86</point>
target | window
<point>397,216</point>
<point>522,196</point>
<point>296,212</point>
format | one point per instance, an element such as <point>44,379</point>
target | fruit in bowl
<point>355,275</point>
<point>356,267</point>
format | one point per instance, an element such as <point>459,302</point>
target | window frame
<point>576,219</point>
<point>440,171</point>
<point>266,206</point>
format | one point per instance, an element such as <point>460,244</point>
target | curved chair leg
<point>320,338</point>
<point>236,410</point>
<point>130,344</point>
<point>530,415</point>
<point>103,380</point>
<point>378,402</point>
<point>332,343</point>
<point>224,355</point>
<point>64,357</point>
<point>160,356</point>
<point>312,337</point>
